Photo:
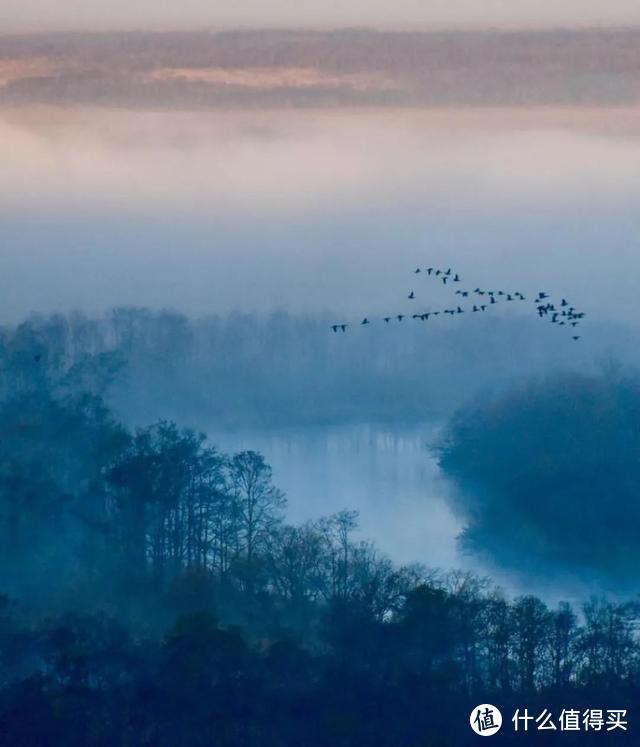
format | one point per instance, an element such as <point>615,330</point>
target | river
<point>386,473</point>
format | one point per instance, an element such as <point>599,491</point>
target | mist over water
<point>390,475</point>
<point>264,477</point>
<point>385,473</point>
<point>327,212</point>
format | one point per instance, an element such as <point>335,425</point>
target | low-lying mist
<point>281,369</point>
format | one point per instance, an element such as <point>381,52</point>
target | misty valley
<point>319,373</point>
<point>401,544</point>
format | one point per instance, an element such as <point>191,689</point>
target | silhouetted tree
<point>259,506</point>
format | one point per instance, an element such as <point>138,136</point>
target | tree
<point>259,507</point>
<point>561,642</point>
<point>530,625</point>
<point>606,645</point>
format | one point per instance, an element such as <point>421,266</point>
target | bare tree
<point>259,506</point>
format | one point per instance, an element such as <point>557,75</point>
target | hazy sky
<point>214,212</point>
<point>79,14</point>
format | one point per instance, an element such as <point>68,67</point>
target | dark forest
<point>153,592</point>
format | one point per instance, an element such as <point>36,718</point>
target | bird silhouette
<point>563,316</point>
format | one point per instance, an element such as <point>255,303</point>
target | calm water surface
<point>385,473</point>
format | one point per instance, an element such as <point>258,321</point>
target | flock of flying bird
<point>561,314</point>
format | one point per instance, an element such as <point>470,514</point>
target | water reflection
<point>387,474</point>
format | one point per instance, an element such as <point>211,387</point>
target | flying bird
<point>568,315</point>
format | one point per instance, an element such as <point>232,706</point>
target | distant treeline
<point>284,369</point>
<point>154,595</point>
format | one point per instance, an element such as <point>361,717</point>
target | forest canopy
<point>153,593</point>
